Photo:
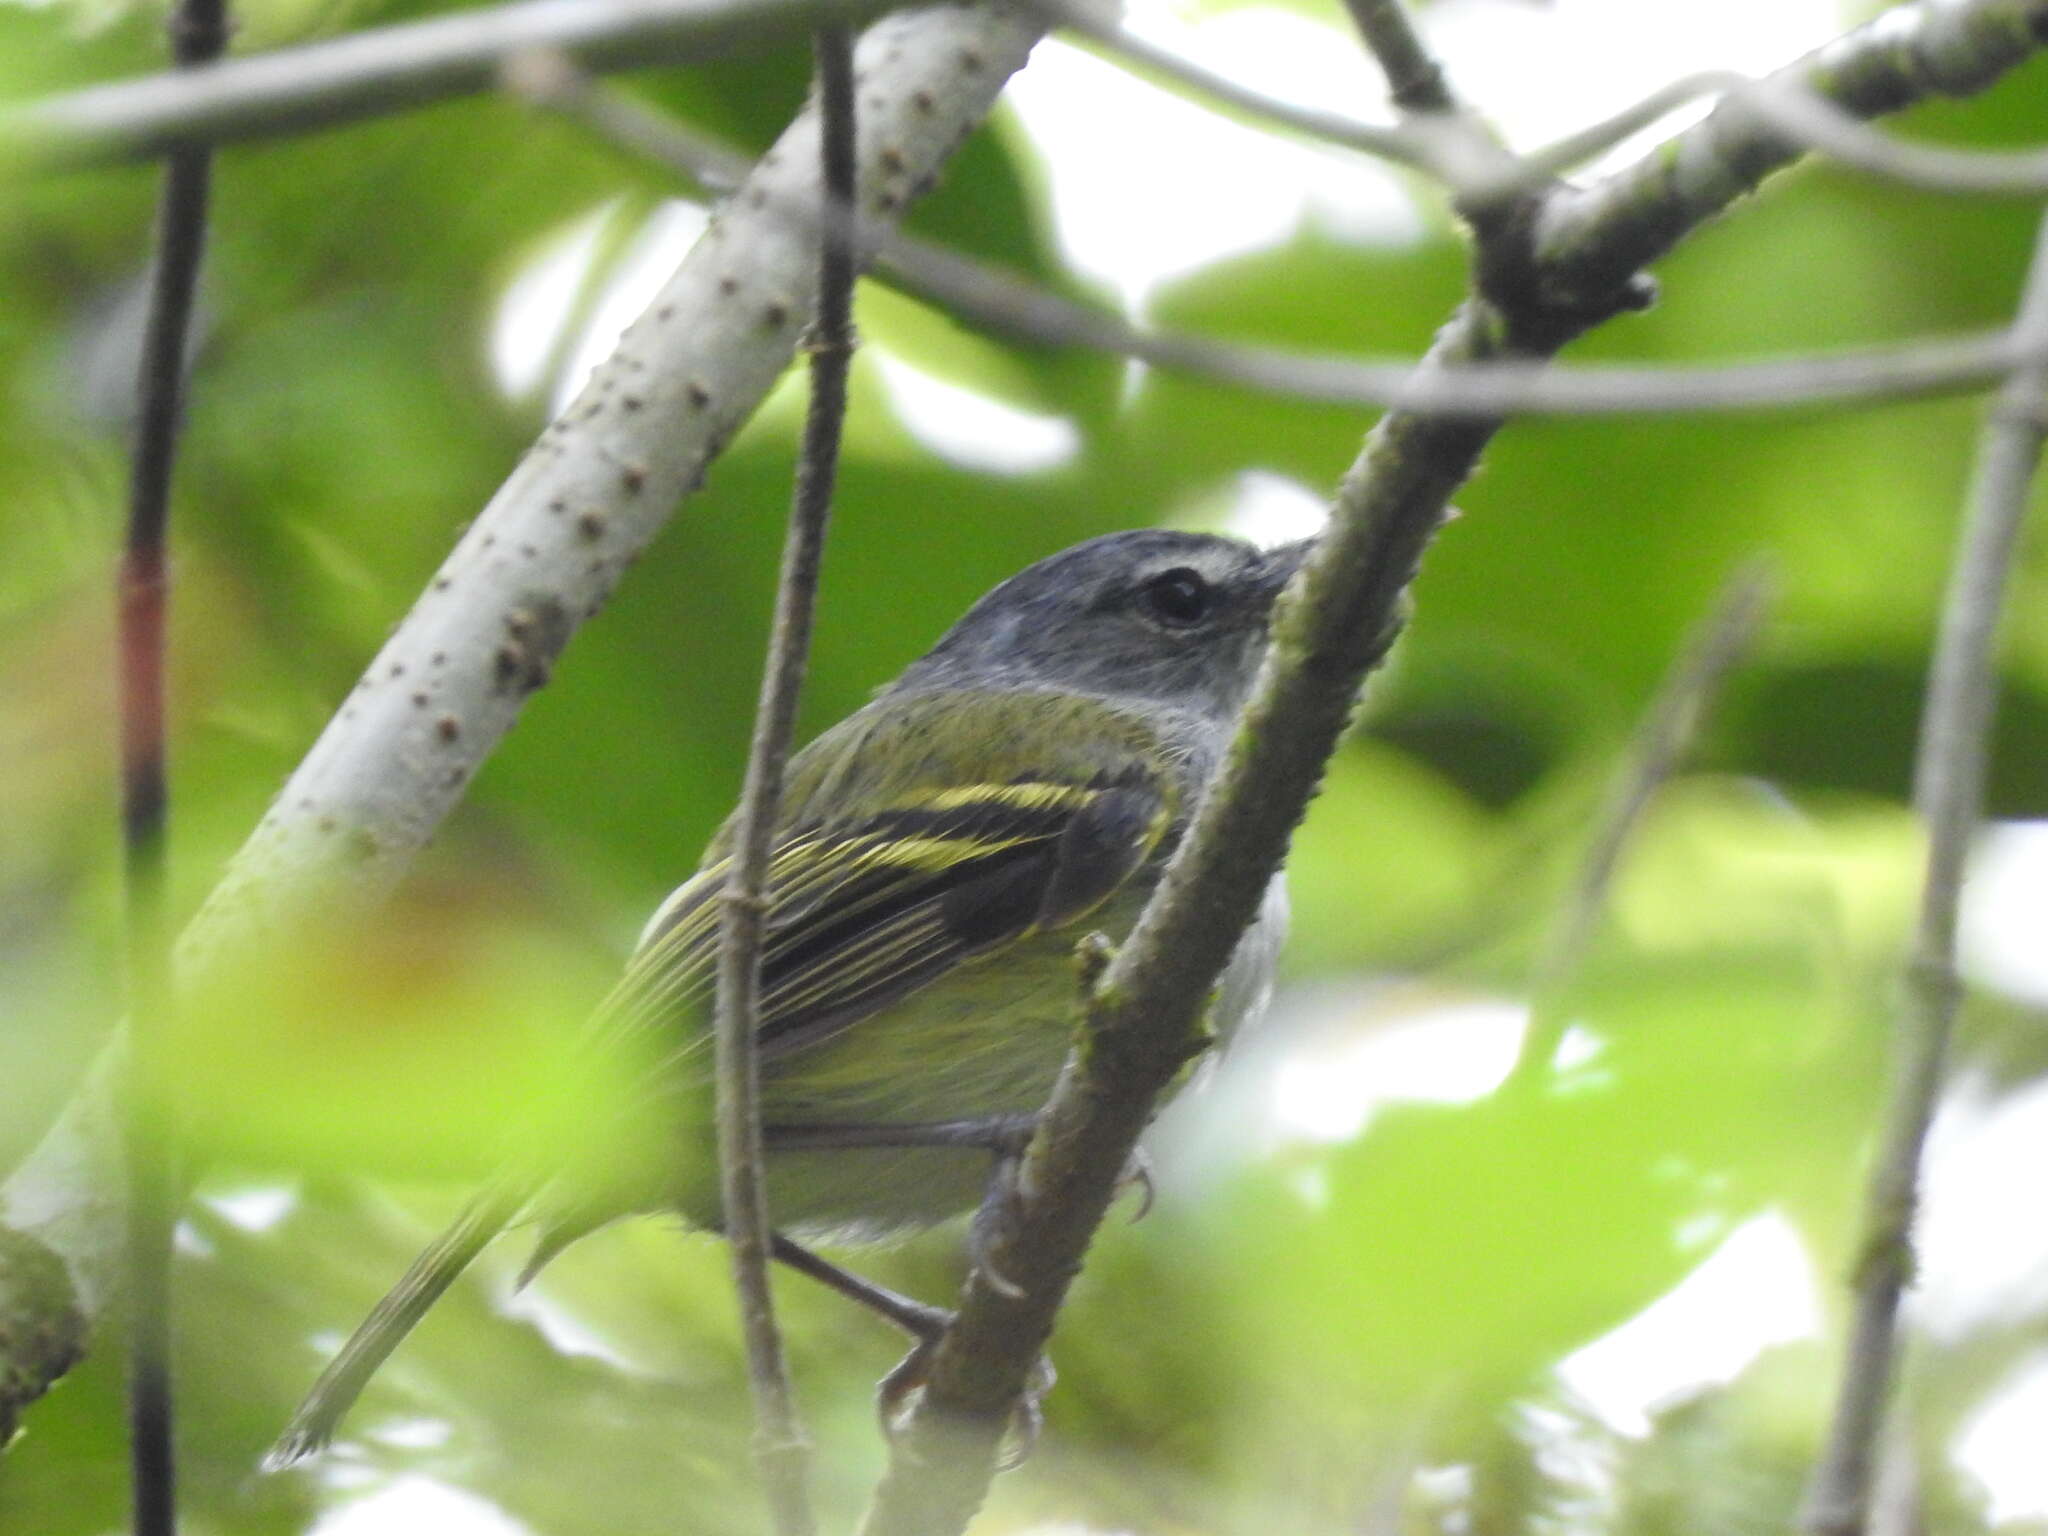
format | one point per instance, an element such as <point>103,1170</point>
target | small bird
<point>937,856</point>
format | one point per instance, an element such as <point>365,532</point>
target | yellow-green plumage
<point>986,1037</point>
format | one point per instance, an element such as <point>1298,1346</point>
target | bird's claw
<point>893,1394</point>
<point>1002,1205</point>
<point>1137,1175</point>
<point>1027,1420</point>
<point>898,1390</point>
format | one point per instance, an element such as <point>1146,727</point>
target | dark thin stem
<point>1415,80</point>
<point>1666,732</point>
<point>198,32</point>
<point>913,1317</point>
<point>780,1443</point>
<point>1948,793</point>
<point>1489,181</point>
<point>995,1133</point>
<point>1495,218</point>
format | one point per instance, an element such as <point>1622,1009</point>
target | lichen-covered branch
<point>541,558</point>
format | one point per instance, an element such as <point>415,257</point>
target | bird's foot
<point>898,1392</point>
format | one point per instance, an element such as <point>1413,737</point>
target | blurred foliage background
<point>1376,1256</point>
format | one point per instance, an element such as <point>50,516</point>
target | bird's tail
<point>392,1319</point>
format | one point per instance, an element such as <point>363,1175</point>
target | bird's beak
<point>1283,560</point>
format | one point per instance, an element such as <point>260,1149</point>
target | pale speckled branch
<point>541,558</point>
<point>1566,274</point>
<point>606,474</point>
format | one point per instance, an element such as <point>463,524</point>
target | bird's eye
<point>1177,599</point>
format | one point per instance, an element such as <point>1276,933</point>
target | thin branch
<point>1595,236</point>
<point>1014,307</point>
<point>1936,366</point>
<point>1142,1021</point>
<point>707,166</point>
<point>1948,794</point>
<point>781,1444</point>
<point>198,33</point>
<point>386,69</point>
<point>1582,144</point>
<point>1444,142</point>
<point>1498,220</point>
<point>1808,120</point>
<point>1449,146</point>
<point>540,559</point>
<point>1661,742</point>
<point>1812,122</point>
<point>1415,80</point>
<point>1400,145</point>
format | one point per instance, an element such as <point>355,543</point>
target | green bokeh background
<point>1301,1325</point>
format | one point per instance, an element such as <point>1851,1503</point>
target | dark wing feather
<point>861,916</point>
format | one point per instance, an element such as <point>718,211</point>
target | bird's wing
<point>861,915</point>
